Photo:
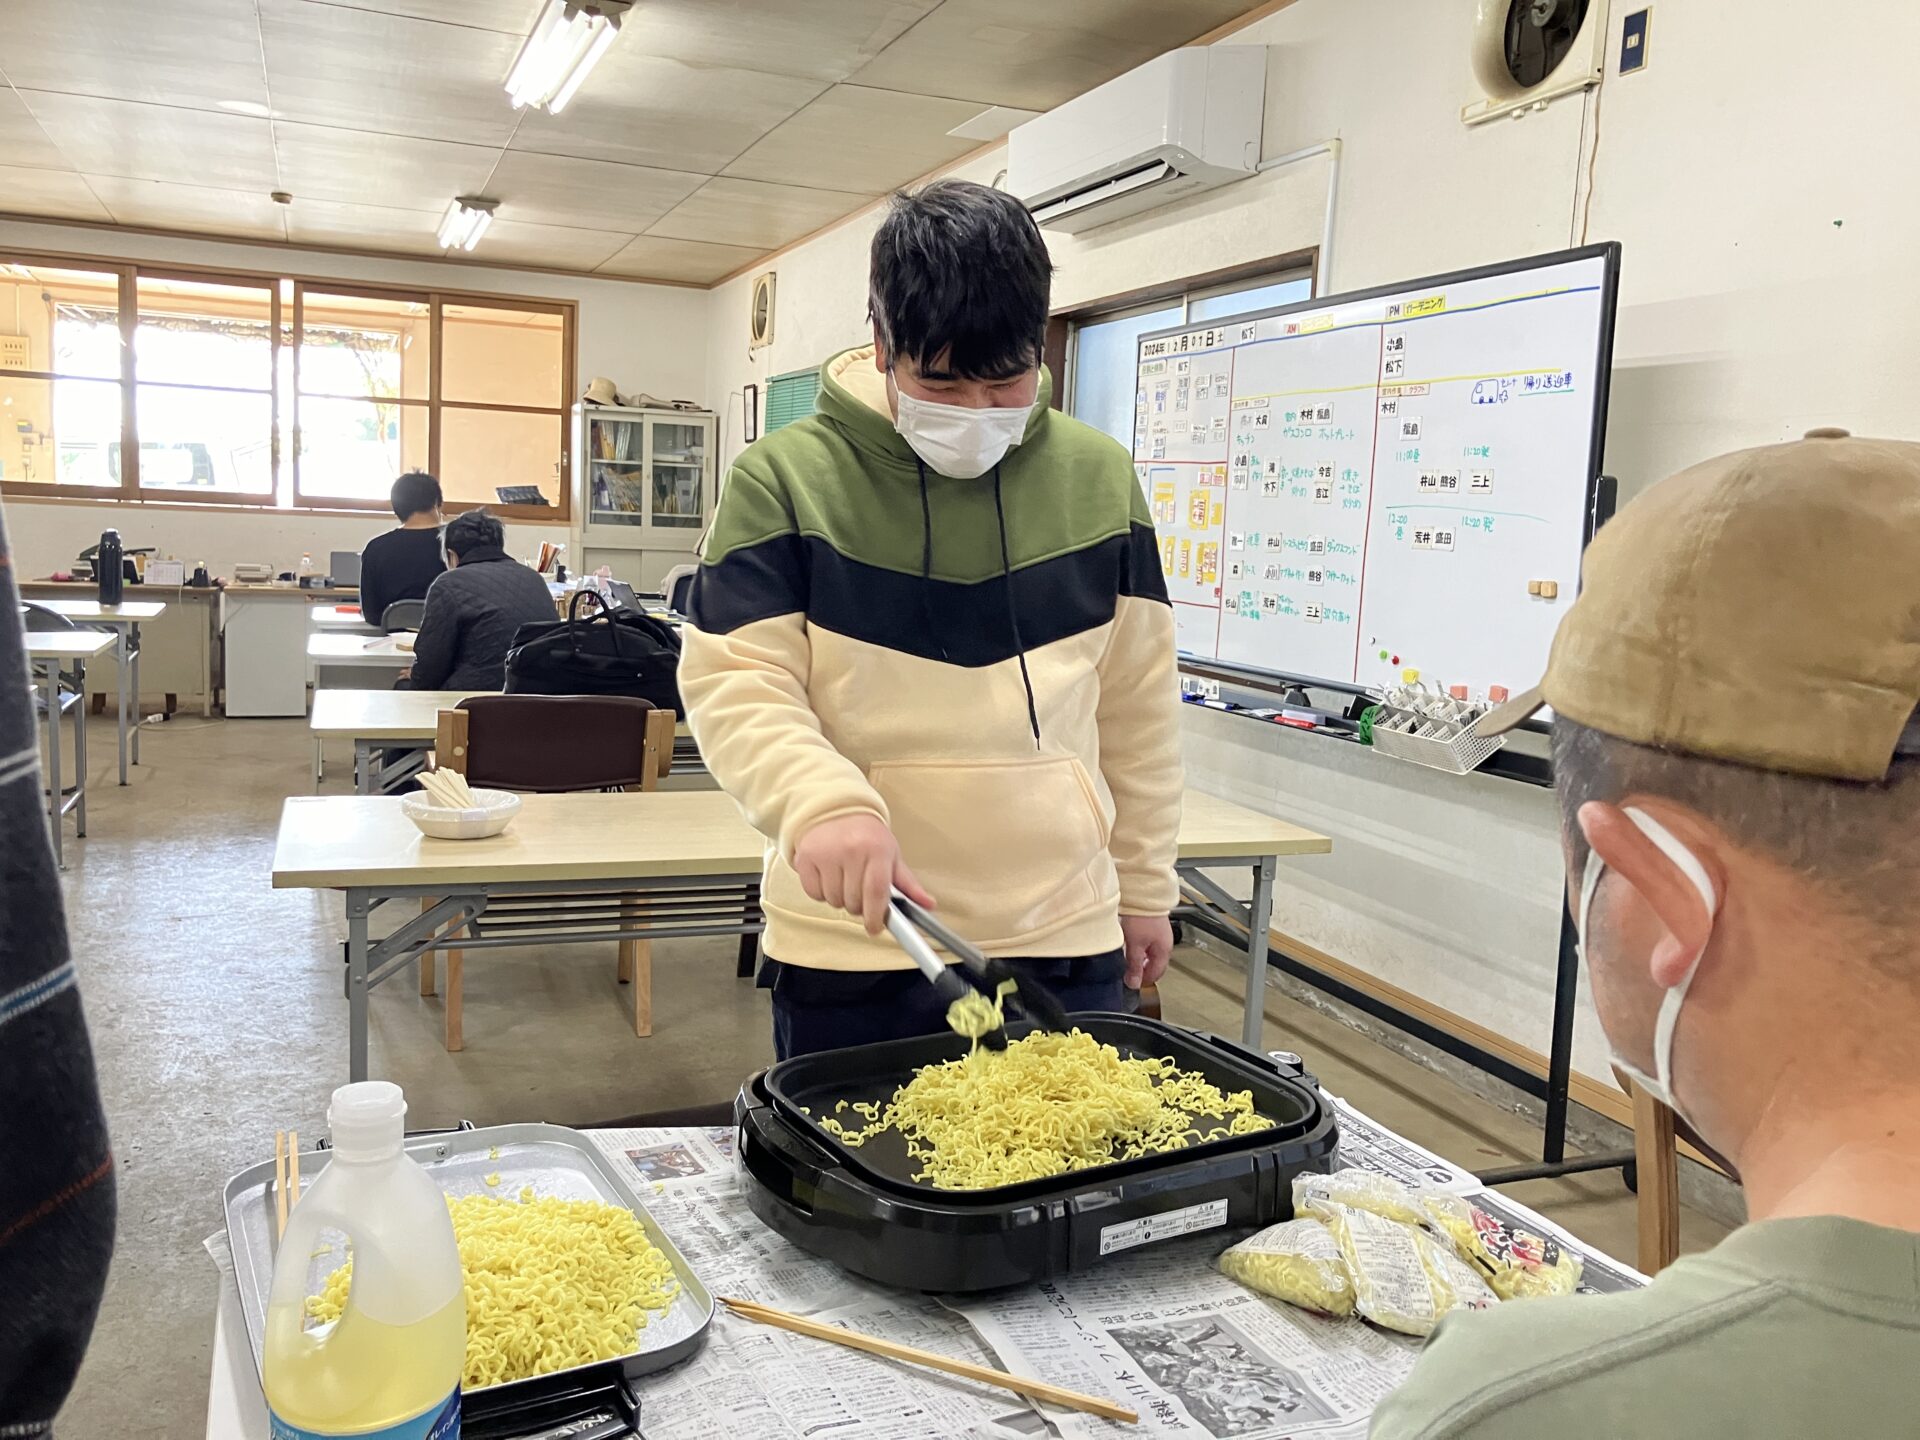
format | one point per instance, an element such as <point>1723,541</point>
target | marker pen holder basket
<point>1451,744</point>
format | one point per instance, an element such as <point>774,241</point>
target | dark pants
<point>833,1009</point>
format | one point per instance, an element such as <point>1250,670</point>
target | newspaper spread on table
<point>1162,1330</point>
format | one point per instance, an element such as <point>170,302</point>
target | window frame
<point>285,319</point>
<point>1063,326</point>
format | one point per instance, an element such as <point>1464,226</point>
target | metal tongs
<point>912,926</point>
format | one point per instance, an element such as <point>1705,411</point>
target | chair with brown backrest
<point>551,744</point>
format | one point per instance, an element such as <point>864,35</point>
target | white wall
<point>644,337</point>
<point>1756,174</point>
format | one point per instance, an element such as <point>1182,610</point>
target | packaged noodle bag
<point>1357,1190</point>
<point>1297,1261</point>
<point>1402,1278</point>
<point>1517,1263</point>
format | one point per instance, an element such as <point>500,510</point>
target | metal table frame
<point>491,915</point>
<point>126,650</point>
<point>46,674</point>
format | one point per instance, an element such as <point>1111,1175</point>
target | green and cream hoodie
<point>986,665</point>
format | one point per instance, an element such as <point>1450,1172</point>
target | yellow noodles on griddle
<point>1047,1104</point>
<point>550,1284</point>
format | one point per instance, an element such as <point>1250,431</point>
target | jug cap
<point>367,1120</point>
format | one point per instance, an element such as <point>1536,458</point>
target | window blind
<point>790,397</point>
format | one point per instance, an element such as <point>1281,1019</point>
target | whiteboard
<point>1350,488</point>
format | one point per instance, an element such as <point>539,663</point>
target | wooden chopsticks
<point>286,1178</point>
<point>448,788</point>
<point>893,1350</point>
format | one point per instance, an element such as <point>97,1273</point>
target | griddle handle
<point>1257,1058</point>
<point>798,1150</point>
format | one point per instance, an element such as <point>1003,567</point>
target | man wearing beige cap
<point>1738,764</point>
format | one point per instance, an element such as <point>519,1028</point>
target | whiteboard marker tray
<point>557,1162</point>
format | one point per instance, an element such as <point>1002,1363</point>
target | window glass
<point>1103,369</point>
<point>1257,297</point>
<point>501,357</point>
<point>485,451</point>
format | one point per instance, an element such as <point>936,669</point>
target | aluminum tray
<point>557,1162</point>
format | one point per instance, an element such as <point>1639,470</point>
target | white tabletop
<point>393,714</point>
<point>340,617</point>
<point>382,714</point>
<point>334,648</point>
<point>67,644</point>
<point>127,612</point>
<point>334,841</point>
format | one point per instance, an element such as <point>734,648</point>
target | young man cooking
<point>1737,754</point>
<point>931,648</point>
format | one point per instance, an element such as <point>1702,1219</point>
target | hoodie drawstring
<point>1006,574</point>
<point>1013,611</point>
<point>926,564</point>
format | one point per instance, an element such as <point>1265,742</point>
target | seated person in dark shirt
<point>474,609</point>
<point>401,564</point>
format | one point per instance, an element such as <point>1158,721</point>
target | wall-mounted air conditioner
<point>1181,124</point>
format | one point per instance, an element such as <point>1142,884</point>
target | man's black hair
<point>959,282</point>
<point>473,530</point>
<point>414,492</point>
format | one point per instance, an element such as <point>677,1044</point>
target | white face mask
<point>957,440</point>
<point>1659,1084</point>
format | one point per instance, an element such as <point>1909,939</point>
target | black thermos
<point>107,567</point>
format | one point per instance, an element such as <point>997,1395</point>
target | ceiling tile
<point>22,141</point>
<point>206,51</point>
<point>324,163</point>
<point>752,212</point>
<point>1037,53</point>
<point>332,65</point>
<point>823,40</point>
<point>557,247</point>
<point>559,190</point>
<point>48,192</point>
<point>857,139</point>
<point>194,208</point>
<point>364,227</point>
<point>157,142</point>
<point>653,258</point>
<point>513,17</point>
<point>647,109</point>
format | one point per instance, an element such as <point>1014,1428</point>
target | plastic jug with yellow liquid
<point>389,1367</point>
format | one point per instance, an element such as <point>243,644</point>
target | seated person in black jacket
<point>474,609</point>
<point>401,564</point>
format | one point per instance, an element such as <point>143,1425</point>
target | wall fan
<point>760,313</point>
<point>1527,52</point>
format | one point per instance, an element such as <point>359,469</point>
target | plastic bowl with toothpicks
<point>490,813</point>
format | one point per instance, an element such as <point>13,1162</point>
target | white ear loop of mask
<point>1660,1083</point>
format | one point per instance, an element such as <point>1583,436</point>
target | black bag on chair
<point>617,652</point>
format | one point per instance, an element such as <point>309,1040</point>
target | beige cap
<point>1762,607</point>
<point>600,391</point>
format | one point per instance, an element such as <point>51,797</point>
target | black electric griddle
<point>861,1207</point>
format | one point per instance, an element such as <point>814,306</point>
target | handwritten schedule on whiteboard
<point>1352,487</point>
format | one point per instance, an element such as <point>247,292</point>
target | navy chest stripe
<point>933,619</point>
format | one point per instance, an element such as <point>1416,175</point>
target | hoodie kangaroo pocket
<point>1009,848</point>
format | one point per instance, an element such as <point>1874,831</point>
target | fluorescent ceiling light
<point>567,42</point>
<point>467,220</point>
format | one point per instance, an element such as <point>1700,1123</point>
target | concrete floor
<point>217,1016</point>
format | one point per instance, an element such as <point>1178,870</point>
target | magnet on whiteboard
<point>1409,675</point>
<point>1533,586</point>
<point>1549,589</point>
<point>1496,694</point>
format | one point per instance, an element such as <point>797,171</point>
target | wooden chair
<point>549,744</point>
<point>1656,1164</point>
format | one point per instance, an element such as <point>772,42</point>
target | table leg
<point>50,677</point>
<point>134,639</point>
<point>362,767</point>
<point>319,762</point>
<point>123,655</point>
<point>80,755</point>
<point>357,910</point>
<point>1258,921</point>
